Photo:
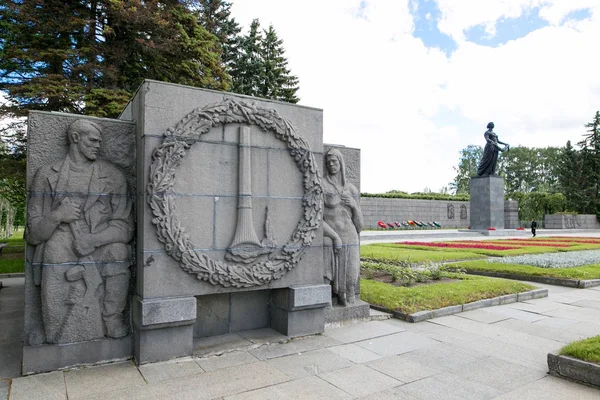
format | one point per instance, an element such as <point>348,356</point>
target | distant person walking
<point>533,226</point>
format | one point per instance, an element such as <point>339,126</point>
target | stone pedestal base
<point>163,328</point>
<point>487,202</point>
<point>300,310</point>
<point>339,315</point>
<point>502,232</point>
<point>50,357</point>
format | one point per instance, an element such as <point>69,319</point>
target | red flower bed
<point>473,245</point>
<point>524,243</point>
<point>570,239</point>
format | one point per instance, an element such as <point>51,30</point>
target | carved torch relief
<point>248,261</point>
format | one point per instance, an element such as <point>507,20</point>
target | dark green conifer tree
<point>247,70</point>
<point>215,17</point>
<point>278,83</point>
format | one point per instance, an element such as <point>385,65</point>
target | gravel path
<point>553,260</point>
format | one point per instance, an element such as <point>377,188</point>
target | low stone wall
<point>568,221</point>
<point>450,214</point>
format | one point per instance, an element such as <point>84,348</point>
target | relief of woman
<point>342,223</point>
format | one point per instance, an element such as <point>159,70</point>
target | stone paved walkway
<point>493,353</point>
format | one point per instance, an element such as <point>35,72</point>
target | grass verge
<point>12,265</point>
<point>586,350</point>
<point>438,295</point>
<point>12,259</point>
<point>583,272</point>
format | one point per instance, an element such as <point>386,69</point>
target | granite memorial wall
<point>197,213</point>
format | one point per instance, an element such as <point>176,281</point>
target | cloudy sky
<point>412,82</point>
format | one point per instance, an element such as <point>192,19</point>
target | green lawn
<point>12,259</point>
<point>12,265</point>
<point>583,272</point>
<point>437,295</point>
<point>586,350</point>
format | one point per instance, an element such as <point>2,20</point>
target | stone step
<point>376,315</point>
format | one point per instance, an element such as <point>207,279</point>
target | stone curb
<point>574,283</point>
<point>574,369</point>
<point>13,275</point>
<point>441,312</point>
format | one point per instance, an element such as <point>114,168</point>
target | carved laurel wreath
<point>167,156</point>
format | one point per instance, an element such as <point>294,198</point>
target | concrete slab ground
<point>493,353</point>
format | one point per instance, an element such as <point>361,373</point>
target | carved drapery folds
<point>166,158</point>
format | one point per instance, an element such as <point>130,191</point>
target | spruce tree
<point>39,63</point>
<point>215,17</point>
<point>277,82</point>
<point>570,177</point>
<point>248,69</point>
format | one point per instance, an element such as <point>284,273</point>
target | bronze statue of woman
<point>487,165</point>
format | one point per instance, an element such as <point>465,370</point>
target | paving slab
<point>162,371</point>
<point>574,312</point>
<point>311,387</point>
<point>509,312</point>
<point>448,386</point>
<point>389,394</point>
<point>219,344</point>
<point>316,362</point>
<point>298,345</point>
<point>524,356</point>
<point>360,380</point>
<point>587,303</point>
<point>354,353</point>
<point>39,387</point>
<point>444,356</point>
<point>483,315</point>
<point>361,331</point>
<point>4,386</point>
<point>552,388</point>
<point>11,355</point>
<point>397,343</point>
<point>535,306</point>
<point>101,379</point>
<point>504,335</point>
<point>232,359</point>
<point>559,335</point>
<point>410,326</point>
<point>500,374</point>
<point>12,306</point>
<point>403,369</point>
<point>210,385</point>
<point>472,342</point>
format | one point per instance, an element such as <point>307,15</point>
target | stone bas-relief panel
<point>341,229</point>
<point>252,258</point>
<point>80,225</point>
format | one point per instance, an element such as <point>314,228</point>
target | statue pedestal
<point>487,203</point>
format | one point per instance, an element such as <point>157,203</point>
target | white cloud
<point>410,108</point>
